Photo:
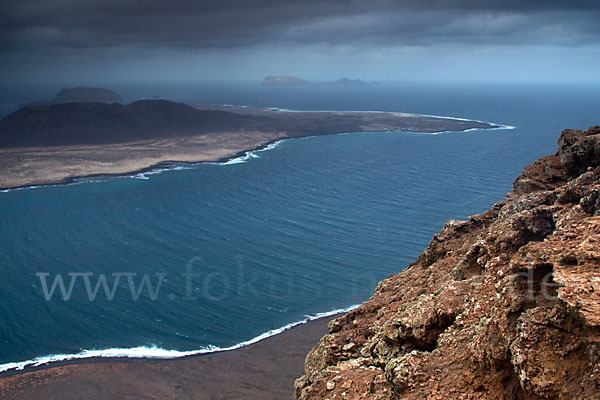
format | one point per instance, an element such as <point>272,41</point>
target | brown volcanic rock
<point>579,150</point>
<point>505,305</point>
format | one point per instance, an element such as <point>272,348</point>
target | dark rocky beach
<point>263,370</point>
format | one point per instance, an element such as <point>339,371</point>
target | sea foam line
<point>154,352</point>
<point>498,127</point>
<point>249,154</point>
<point>146,175</point>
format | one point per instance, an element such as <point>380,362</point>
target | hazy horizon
<point>68,42</point>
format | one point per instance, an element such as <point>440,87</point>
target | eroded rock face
<point>505,305</point>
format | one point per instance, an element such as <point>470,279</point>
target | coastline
<point>154,164</point>
<point>159,166</point>
<point>154,354</point>
<point>242,151</point>
<point>169,164</point>
<point>265,369</point>
<point>30,167</point>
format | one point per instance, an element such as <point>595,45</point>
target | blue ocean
<point>197,258</point>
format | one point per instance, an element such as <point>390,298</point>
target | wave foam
<point>498,127</point>
<point>147,174</point>
<point>154,352</point>
<point>249,154</point>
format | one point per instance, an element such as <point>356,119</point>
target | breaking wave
<point>154,352</point>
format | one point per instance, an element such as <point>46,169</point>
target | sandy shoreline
<point>265,369</point>
<point>27,167</point>
<point>160,165</point>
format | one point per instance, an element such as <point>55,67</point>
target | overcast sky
<point>382,40</point>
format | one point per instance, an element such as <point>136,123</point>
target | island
<point>81,95</point>
<point>283,80</point>
<point>57,143</point>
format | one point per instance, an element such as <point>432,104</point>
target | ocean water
<point>212,256</point>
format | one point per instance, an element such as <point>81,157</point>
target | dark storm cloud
<point>35,24</point>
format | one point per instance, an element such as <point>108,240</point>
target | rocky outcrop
<point>505,305</point>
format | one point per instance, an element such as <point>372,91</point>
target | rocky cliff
<point>505,305</point>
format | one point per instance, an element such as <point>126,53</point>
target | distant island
<point>55,143</point>
<point>80,95</point>
<point>295,81</point>
<point>284,81</point>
